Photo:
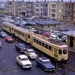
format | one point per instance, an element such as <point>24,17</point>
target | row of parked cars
<point>24,59</point>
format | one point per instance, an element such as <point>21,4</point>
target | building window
<point>37,5</point>
<point>53,15</point>
<point>69,13</point>
<point>37,10</point>
<point>45,5</point>
<point>53,5</point>
<point>53,10</point>
<point>44,14</point>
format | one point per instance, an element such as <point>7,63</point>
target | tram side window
<point>43,44</point>
<point>39,43</point>
<point>46,46</point>
<point>60,51</point>
<point>28,36</point>
<point>34,40</point>
<point>50,47</point>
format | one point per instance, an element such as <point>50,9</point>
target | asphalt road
<point>9,65</point>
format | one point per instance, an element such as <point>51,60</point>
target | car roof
<point>22,56</point>
<point>53,35</point>
<point>44,59</point>
<point>30,50</point>
<point>20,44</point>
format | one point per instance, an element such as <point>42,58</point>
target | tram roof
<point>70,33</point>
<point>46,39</point>
<point>23,30</point>
<point>8,23</point>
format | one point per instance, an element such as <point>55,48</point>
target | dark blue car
<point>20,47</point>
<point>45,64</point>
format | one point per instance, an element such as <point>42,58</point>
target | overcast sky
<point>33,0</point>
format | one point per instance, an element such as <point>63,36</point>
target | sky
<point>34,0</point>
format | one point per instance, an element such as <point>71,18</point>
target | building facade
<point>74,11</point>
<point>41,9</point>
<point>19,8</point>
<point>69,11</point>
<point>47,25</point>
<point>56,10</point>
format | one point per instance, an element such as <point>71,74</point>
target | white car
<point>31,53</point>
<point>23,61</point>
<point>54,37</point>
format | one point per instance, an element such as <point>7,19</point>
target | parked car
<point>31,53</point>
<point>20,47</point>
<point>3,34</point>
<point>23,61</point>
<point>8,39</point>
<point>54,37</point>
<point>45,64</point>
<point>47,34</point>
<point>64,38</point>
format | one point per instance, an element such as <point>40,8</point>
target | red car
<point>46,34</point>
<point>8,39</point>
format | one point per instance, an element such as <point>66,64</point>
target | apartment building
<point>68,11</point>
<point>53,9</point>
<point>19,8</point>
<point>60,11</point>
<point>41,9</point>
<point>56,10</point>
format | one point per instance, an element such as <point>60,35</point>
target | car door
<point>19,48</point>
<point>19,61</point>
<point>41,64</point>
<point>27,53</point>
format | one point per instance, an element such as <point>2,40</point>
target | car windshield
<point>31,52</point>
<point>46,61</point>
<point>22,45</point>
<point>24,59</point>
<point>64,51</point>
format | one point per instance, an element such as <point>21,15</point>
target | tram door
<point>71,41</point>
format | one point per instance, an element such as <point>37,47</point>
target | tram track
<point>57,73</point>
<point>69,66</point>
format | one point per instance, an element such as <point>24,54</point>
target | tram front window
<point>60,51</point>
<point>64,51</point>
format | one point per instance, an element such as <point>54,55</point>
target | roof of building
<point>47,22</point>
<point>70,33</point>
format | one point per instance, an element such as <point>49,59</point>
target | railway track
<point>56,73</point>
<point>69,66</point>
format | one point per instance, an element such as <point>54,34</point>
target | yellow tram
<point>57,50</point>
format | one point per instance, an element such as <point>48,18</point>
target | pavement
<point>5,70</point>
